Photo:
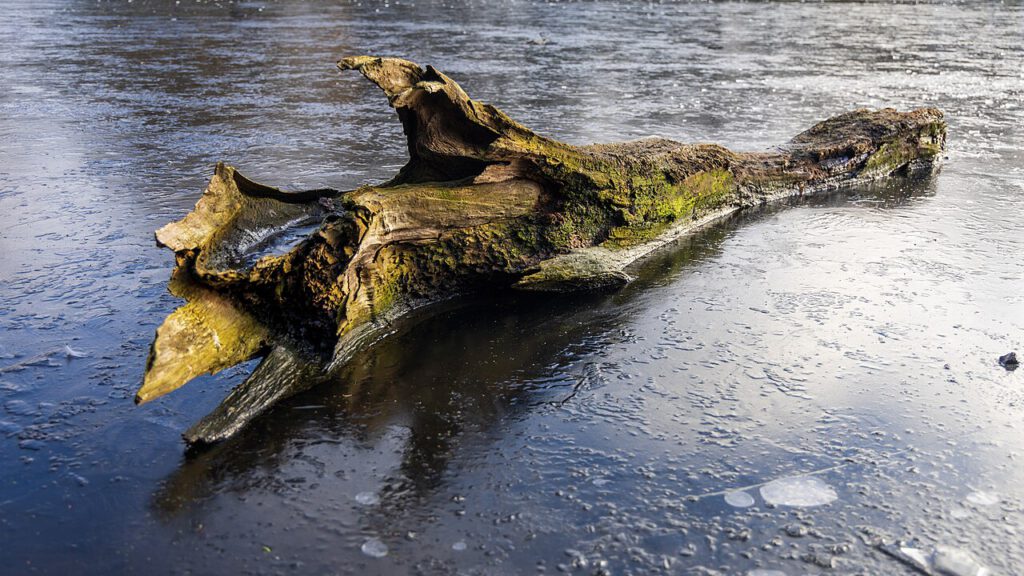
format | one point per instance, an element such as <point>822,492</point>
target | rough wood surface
<point>311,277</point>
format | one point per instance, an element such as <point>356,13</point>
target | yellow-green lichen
<point>657,202</point>
<point>890,157</point>
<point>624,236</point>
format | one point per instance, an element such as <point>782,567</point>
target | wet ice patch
<point>367,498</point>
<point>374,548</point>
<point>982,498</point>
<point>20,408</point>
<point>9,428</point>
<point>739,499</point>
<point>799,491</point>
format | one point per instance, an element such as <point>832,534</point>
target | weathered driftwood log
<point>307,278</point>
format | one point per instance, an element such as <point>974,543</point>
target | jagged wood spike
<point>482,203</point>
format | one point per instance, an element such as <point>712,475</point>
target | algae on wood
<point>482,203</point>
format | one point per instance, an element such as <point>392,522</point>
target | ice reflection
<point>593,441</point>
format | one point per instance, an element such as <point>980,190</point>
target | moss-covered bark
<point>483,202</point>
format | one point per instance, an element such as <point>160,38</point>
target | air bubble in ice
<point>798,491</point>
<point>959,513</point>
<point>374,548</point>
<point>367,498</point>
<point>739,499</point>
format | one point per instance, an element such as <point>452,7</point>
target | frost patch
<point>982,498</point>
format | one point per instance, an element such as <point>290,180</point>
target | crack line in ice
<point>811,473</point>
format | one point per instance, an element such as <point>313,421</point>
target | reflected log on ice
<point>309,278</point>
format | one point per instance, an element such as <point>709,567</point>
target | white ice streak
<point>72,353</point>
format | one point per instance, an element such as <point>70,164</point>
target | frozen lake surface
<point>807,389</point>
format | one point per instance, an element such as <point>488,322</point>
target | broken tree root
<point>308,278</point>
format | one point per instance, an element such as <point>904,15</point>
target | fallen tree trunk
<point>308,278</point>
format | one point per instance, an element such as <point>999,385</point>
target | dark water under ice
<point>772,396</point>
